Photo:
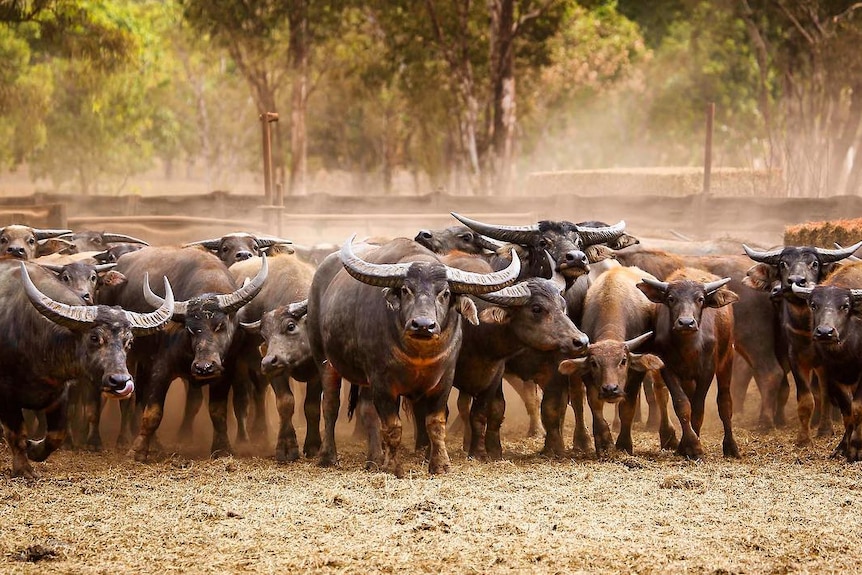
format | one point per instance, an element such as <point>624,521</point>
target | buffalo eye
<point>670,299</point>
<point>815,264</point>
<point>812,305</point>
<point>224,249</point>
<point>700,299</point>
<point>445,294</point>
<point>4,240</point>
<point>467,237</point>
<point>536,309</point>
<point>254,248</point>
<point>623,361</point>
<point>291,327</point>
<point>543,243</point>
<point>93,278</point>
<point>844,307</point>
<point>65,278</point>
<point>593,363</point>
<point>782,265</point>
<point>31,241</point>
<point>94,338</point>
<point>405,291</point>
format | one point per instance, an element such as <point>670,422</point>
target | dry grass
<point>778,510</point>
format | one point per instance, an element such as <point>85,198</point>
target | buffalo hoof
<point>478,455</point>
<point>438,467</point>
<point>311,448</point>
<point>535,430</point>
<point>581,441</point>
<point>803,440</point>
<point>327,459</point>
<point>25,471</point>
<point>765,425</point>
<point>625,445</point>
<point>854,451</point>
<point>553,450</point>
<point>690,449</point>
<point>667,439</point>
<point>730,448</point>
<point>140,456</point>
<point>825,430</point>
<point>287,455</point>
<point>93,445</point>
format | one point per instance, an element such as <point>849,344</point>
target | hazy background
<point>404,97</point>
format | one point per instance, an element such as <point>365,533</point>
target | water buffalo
<point>694,339</point>
<point>401,340</point>
<point>803,266</point>
<point>238,246</point>
<point>618,318</point>
<point>39,357</point>
<point>530,315</point>
<point>26,243</point>
<point>289,282</point>
<point>92,241</point>
<point>197,345</point>
<point>836,332</point>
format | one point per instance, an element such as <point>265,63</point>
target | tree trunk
<point>503,88</point>
<point>299,54</point>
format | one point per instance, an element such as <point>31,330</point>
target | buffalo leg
<point>666,433</point>
<point>369,422</point>
<point>56,426</point>
<point>194,400</point>
<point>724,375</point>
<point>219,391</point>
<point>783,396</point>
<point>553,409</point>
<point>242,392</point>
<point>331,382</point>
<point>804,407</point>
<point>311,407</point>
<point>465,402</point>
<point>496,412</point>
<point>390,422</point>
<point>580,437</point>
<point>286,446</point>
<point>422,441</point>
<point>653,409</point>
<point>435,422</point>
<point>689,446</point>
<point>601,430</point>
<point>528,391</point>
<point>628,409</point>
<point>15,433</point>
<point>479,425</point>
<point>153,411</point>
<point>823,407</point>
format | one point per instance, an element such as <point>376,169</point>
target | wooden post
<point>266,119</point>
<point>707,153</point>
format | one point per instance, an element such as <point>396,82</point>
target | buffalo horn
<point>592,236</point>
<point>121,238</point>
<point>849,258</point>
<point>522,235</point>
<point>632,344</point>
<point>713,286</point>
<point>802,292</point>
<point>231,302</point>
<point>770,257</point>
<point>379,275</point>
<point>56,268</point>
<point>298,308</point>
<point>488,243</point>
<point>829,256</point>
<point>74,317</point>
<point>147,323</point>
<point>250,326</point>
<point>518,294</point>
<point>656,284</point>
<point>269,242</point>
<point>211,244</point>
<point>45,234</point>
<point>154,300</point>
<point>476,284</point>
<point>105,267</point>
<point>856,294</point>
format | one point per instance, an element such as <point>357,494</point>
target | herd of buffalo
<point>576,310</point>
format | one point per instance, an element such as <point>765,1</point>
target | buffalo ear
<point>721,298</point>
<point>467,309</point>
<point>112,278</point>
<point>573,366</point>
<point>653,294</point>
<point>391,297</point>
<point>645,362</point>
<point>495,314</point>
<point>761,277</point>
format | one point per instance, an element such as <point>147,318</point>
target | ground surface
<point>778,510</point>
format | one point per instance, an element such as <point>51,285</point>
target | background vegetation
<point>462,95</point>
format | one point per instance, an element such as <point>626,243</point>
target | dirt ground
<point>778,510</point>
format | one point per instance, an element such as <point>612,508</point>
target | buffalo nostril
<point>242,256</point>
<point>580,342</point>
<point>686,322</point>
<point>423,324</point>
<point>86,297</point>
<point>824,332</point>
<point>119,380</point>
<point>425,235</point>
<point>610,389</point>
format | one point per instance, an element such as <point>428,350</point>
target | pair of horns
<point>227,303</point>
<point>708,287</point>
<point>296,309</point>
<point>57,268</point>
<point>524,235</point>
<point>460,281</point>
<point>772,257</point>
<point>82,317</point>
<point>213,244</point>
